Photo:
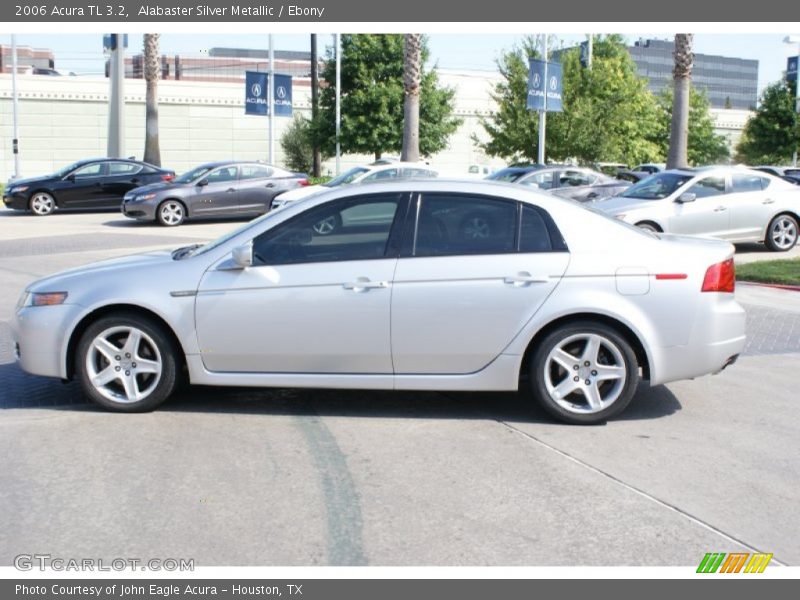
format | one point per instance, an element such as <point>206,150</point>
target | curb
<point>777,286</point>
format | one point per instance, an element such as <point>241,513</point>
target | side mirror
<point>70,177</point>
<point>202,183</point>
<point>242,256</point>
<point>686,197</point>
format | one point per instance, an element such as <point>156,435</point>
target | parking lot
<point>318,477</point>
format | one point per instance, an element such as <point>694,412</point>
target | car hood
<point>152,187</point>
<point>618,204</point>
<point>302,192</point>
<point>29,180</point>
<point>109,267</point>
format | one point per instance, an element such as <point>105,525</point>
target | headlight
<point>145,197</point>
<point>46,298</point>
<point>18,189</point>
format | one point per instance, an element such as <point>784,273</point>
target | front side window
<point>450,224</point>
<point>222,175</point>
<point>543,181</point>
<point>384,174</point>
<point>92,170</point>
<point>575,179</point>
<point>352,229</point>
<point>709,186</point>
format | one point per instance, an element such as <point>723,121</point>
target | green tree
<point>609,114</point>
<point>372,97</point>
<point>704,146</point>
<point>771,135</point>
<point>683,56</point>
<point>152,70</point>
<point>298,145</point>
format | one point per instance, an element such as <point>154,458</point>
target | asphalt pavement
<point>324,477</point>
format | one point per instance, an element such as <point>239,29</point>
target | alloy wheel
<point>42,204</point>
<point>784,233</point>
<point>171,213</point>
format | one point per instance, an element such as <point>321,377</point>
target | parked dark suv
<point>93,183</point>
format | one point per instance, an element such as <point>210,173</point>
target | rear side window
<point>745,182</point>
<point>533,232</point>
<point>123,168</point>
<point>459,224</point>
<point>254,172</point>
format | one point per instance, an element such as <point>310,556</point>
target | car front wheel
<point>782,233</point>
<point>584,373</point>
<point>171,213</point>
<point>42,204</point>
<point>126,363</point>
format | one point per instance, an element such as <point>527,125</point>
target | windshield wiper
<point>184,250</point>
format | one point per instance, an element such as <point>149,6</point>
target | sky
<point>82,53</point>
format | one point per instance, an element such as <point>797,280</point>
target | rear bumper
<point>717,339</point>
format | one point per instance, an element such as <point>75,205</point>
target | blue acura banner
<point>545,86</point>
<point>255,100</point>
<point>791,68</point>
<point>283,95</point>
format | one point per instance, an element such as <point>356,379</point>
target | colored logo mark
<point>735,562</point>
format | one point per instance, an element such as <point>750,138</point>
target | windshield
<point>346,177</point>
<point>228,236</point>
<point>192,175</point>
<point>507,175</point>
<point>67,169</point>
<point>657,186</point>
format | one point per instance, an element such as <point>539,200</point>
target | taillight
<point>302,182</point>
<point>720,277</point>
<point>168,176</point>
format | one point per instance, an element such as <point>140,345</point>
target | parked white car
<point>731,203</point>
<point>425,285</point>
<point>384,171</point>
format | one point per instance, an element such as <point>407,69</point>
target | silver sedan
<point>731,203</point>
<point>423,285</point>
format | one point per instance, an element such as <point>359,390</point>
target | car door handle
<point>768,201</point>
<point>524,278</point>
<point>720,208</point>
<point>362,284</point>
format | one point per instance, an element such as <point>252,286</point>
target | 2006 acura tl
<point>424,285</point>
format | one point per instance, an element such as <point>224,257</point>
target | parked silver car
<point>735,204</point>
<point>465,286</point>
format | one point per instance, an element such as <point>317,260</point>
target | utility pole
<point>543,113</point>
<point>317,158</point>
<point>116,107</point>
<point>271,102</point>
<point>15,101</point>
<point>338,100</point>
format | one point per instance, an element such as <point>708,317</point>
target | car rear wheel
<point>584,373</point>
<point>126,363</point>
<point>171,213</point>
<point>42,204</point>
<point>782,233</point>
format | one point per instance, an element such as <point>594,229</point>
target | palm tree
<point>152,68</point>
<point>682,79</point>
<point>412,76</point>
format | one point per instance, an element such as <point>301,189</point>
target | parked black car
<point>212,190</point>
<point>92,183</point>
<point>576,183</point>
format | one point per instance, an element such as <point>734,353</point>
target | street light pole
<point>15,102</point>
<point>271,102</point>
<point>795,39</point>
<point>543,113</point>
<point>338,99</point>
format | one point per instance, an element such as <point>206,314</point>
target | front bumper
<point>138,210</point>
<point>16,201</point>
<point>40,333</point>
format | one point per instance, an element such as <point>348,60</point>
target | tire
<point>327,225</point>
<point>559,372</point>
<point>647,226</point>
<point>126,363</point>
<point>782,233</point>
<point>42,204</point>
<point>171,213</point>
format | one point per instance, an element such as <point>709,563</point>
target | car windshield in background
<point>657,186</point>
<point>507,175</point>
<point>346,177</point>
<point>192,175</point>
